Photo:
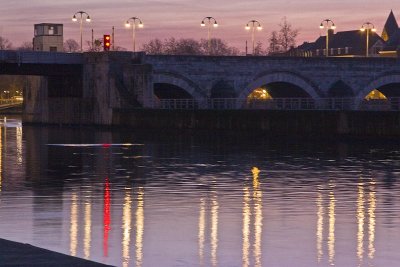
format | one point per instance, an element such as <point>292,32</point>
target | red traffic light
<point>106,42</point>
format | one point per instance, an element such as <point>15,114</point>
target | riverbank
<point>18,254</point>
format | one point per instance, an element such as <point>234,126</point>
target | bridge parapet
<point>31,57</point>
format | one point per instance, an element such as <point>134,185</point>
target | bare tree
<point>287,35</point>
<point>25,46</point>
<point>119,48</point>
<point>154,47</point>
<point>218,47</point>
<point>274,46</point>
<point>96,46</point>
<point>5,44</point>
<point>188,46</point>
<point>259,50</point>
<point>71,45</point>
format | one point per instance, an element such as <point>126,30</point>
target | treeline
<point>277,42</point>
<point>188,46</point>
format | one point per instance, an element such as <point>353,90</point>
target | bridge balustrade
<point>390,104</point>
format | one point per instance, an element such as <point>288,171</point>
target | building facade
<point>48,37</point>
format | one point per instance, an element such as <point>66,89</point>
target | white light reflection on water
<point>332,221</point>
<point>360,223</point>
<point>18,135</point>
<point>202,228</point>
<point>252,206</point>
<point>139,227</point>
<point>372,222</point>
<point>126,228</point>
<point>74,225</point>
<point>88,228</point>
<point>320,224</point>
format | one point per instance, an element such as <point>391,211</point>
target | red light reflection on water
<point>106,216</point>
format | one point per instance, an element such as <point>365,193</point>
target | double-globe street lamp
<point>133,21</point>
<point>211,22</point>
<point>329,25</point>
<point>74,18</point>
<point>368,27</point>
<point>253,24</point>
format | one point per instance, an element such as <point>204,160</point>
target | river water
<point>160,199</point>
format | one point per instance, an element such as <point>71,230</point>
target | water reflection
<point>320,224</point>
<point>139,227</point>
<point>202,228</point>
<point>372,222</point>
<point>88,228</point>
<point>18,135</point>
<point>360,222</point>
<point>74,225</point>
<point>213,229</point>
<point>126,227</point>
<point>362,210</point>
<point>99,194</point>
<point>332,220</point>
<point>331,213</point>
<point>252,207</point>
<point>106,216</point>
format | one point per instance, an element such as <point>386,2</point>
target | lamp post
<point>253,24</point>
<point>134,21</point>
<point>368,27</point>
<point>329,25</point>
<point>74,18</point>
<point>210,21</point>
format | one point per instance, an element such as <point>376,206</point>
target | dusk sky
<point>181,18</point>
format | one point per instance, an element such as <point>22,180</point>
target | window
<point>339,51</point>
<point>346,50</point>
<point>53,48</point>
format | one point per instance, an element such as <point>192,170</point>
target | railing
<point>10,101</point>
<point>390,104</point>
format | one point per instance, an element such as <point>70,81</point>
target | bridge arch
<point>381,82</point>
<point>279,77</point>
<point>179,81</point>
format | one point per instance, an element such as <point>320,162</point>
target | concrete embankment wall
<point>322,123</point>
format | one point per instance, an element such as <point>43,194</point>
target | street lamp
<point>133,21</point>
<point>329,25</point>
<point>253,24</point>
<point>210,21</point>
<point>367,26</point>
<point>74,19</point>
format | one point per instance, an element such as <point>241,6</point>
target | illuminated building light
<point>259,94</point>
<point>375,95</point>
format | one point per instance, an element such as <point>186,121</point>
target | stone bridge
<point>317,78</point>
<point>90,87</point>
